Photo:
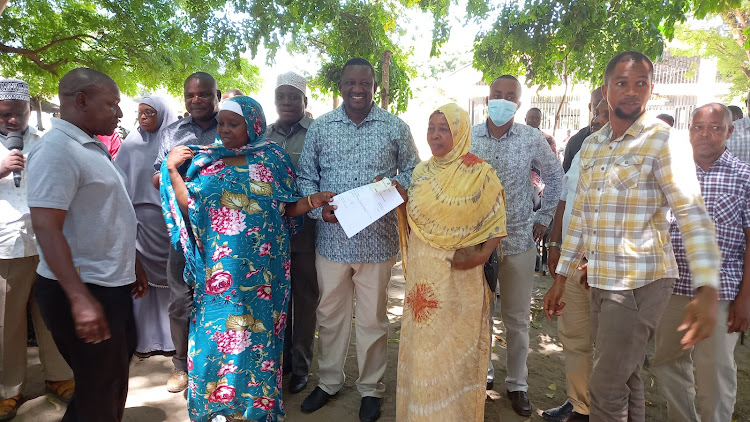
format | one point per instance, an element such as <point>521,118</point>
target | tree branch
<point>58,41</point>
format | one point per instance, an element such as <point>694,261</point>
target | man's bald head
<point>83,80</point>
<point>90,100</point>
<point>715,107</point>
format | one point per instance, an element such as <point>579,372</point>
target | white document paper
<point>362,206</point>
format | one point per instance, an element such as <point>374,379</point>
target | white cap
<point>14,89</point>
<point>292,79</point>
<point>232,106</point>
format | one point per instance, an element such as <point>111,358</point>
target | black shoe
<point>369,409</point>
<point>297,383</point>
<point>558,414</point>
<point>317,399</point>
<point>490,385</point>
<point>519,400</point>
<point>576,417</point>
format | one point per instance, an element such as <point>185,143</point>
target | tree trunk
<point>385,81</point>
<point>559,107</point>
<point>38,100</point>
<point>3,3</point>
<point>335,101</point>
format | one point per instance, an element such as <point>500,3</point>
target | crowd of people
<point>213,239</point>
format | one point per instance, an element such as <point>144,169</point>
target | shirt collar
<point>73,131</point>
<point>304,123</point>
<point>376,113</point>
<point>635,129</point>
<point>724,161</point>
<point>189,121</point>
<point>484,130</point>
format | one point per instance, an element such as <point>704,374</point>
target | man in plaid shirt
<point>725,183</point>
<point>739,140</point>
<point>631,173</point>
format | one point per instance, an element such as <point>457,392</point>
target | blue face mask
<point>501,111</point>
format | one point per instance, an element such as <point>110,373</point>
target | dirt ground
<point>149,401</point>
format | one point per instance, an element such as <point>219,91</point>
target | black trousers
<point>100,370</point>
<point>301,319</point>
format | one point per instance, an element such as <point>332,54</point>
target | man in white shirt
<point>18,261</point>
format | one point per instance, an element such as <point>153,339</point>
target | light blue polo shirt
<point>69,170</point>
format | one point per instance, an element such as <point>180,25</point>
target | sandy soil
<point>149,401</point>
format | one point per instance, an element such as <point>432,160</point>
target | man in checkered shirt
<point>739,141</point>
<point>631,173</point>
<point>725,184</point>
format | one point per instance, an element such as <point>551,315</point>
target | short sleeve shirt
<point>16,234</point>
<point>69,170</point>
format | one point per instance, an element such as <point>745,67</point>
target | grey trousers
<point>622,322</point>
<point>180,307</point>
<point>299,334</point>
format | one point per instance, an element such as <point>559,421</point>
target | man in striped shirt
<point>631,173</point>
<point>725,185</point>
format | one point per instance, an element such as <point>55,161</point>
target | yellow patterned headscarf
<point>456,200</point>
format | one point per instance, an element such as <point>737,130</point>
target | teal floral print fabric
<point>237,259</point>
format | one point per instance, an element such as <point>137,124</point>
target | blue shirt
<point>512,157</point>
<point>339,155</point>
<point>184,132</point>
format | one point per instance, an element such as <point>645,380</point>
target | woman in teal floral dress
<point>241,198</point>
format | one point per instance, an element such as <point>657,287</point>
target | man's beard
<point>634,115</point>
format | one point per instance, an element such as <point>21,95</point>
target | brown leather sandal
<point>9,407</point>
<point>62,389</point>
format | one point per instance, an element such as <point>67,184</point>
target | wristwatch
<point>553,245</point>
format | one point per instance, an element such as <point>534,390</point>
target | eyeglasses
<point>147,113</point>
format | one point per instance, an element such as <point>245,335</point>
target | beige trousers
<point>339,285</point>
<point>715,368</point>
<point>622,322</point>
<point>16,282</point>
<point>574,329</point>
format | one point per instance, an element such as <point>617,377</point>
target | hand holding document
<point>359,207</point>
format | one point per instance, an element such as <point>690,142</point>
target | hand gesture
<point>178,156</point>
<point>700,317</point>
<point>539,230</point>
<point>328,215</point>
<point>140,287</point>
<point>739,314</point>
<point>466,258</point>
<point>553,303</point>
<point>89,320</point>
<point>14,161</point>
<point>321,198</point>
<point>401,190</point>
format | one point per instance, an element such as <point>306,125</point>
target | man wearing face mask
<point>512,149</point>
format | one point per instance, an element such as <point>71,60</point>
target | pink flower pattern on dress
<point>221,252</point>
<point>227,221</point>
<point>268,365</point>
<point>227,368</point>
<point>265,403</point>
<point>261,173</point>
<point>213,168</point>
<point>232,342</point>
<point>264,249</point>
<point>264,292</point>
<point>222,394</point>
<point>288,269</point>
<point>219,282</point>
<point>278,326</point>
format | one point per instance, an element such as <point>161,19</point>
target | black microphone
<point>15,142</point>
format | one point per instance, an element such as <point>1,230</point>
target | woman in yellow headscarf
<point>456,213</point>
